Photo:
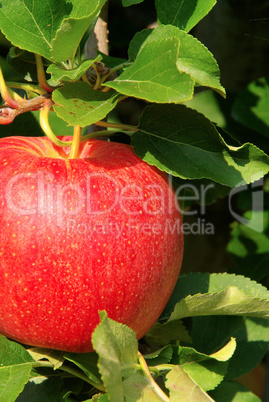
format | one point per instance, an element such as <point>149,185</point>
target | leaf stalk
<point>116,125</point>
<point>74,152</point>
<point>41,75</point>
<point>158,391</point>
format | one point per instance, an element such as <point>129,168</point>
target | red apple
<point>99,232</point>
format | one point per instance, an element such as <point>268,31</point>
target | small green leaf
<point>87,362</point>
<point>116,345</point>
<point>185,14</point>
<point>15,368</point>
<point>161,334</point>
<point>196,60</point>
<point>251,337</point>
<point>13,353</point>
<point>233,392</point>
<point>225,353</point>
<point>160,356</point>
<point>55,357</point>
<point>206,371</point>
<point>74,26</point>
<point>78,103</point>
<point>138,42</point>
<point>193,57</point>
<point>59,73</point>
<point>110,61</point>
<point>180,141</point>
<point>251,106</point>
<point>183,388</point>
<point>153,76</point>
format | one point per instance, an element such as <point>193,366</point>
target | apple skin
<point>99,232</point>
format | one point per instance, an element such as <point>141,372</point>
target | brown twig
<point>8,114</point>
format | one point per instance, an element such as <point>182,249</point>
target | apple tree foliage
<point>214,328</point>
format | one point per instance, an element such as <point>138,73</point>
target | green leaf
<point>55,357</point>
<point>206,371</point>
<point>183,13</point>
<point>193,57</point>
<point>252,337</point>
<point>212,295</point>
<point>42,27</point>
<point>160,356</point>
<point>154,76</point>
<point>127,3</point>
<point>139,41</point>
<point>250,248</point>
<point>13,380</point>
<point>116,345</point>
<point>205,283</point>
<point>231,301</point>
<point>110,61</point>
<point>78,103</point>
<point>32,25</point>
<point>74,26</point>
<point>15,368</point>
<point>233,392</point>
<point>59,73</point>
<point>183,388</point>
<point>181,141</point>
<point>86,362</point>
<point>161,334</point>
<point>251,107</point>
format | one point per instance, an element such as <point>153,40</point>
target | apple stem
<point>41,75</point>
<point>158,391</point>
<point>116,125</point>
<point>75,143</point>
<point>44,123</point>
